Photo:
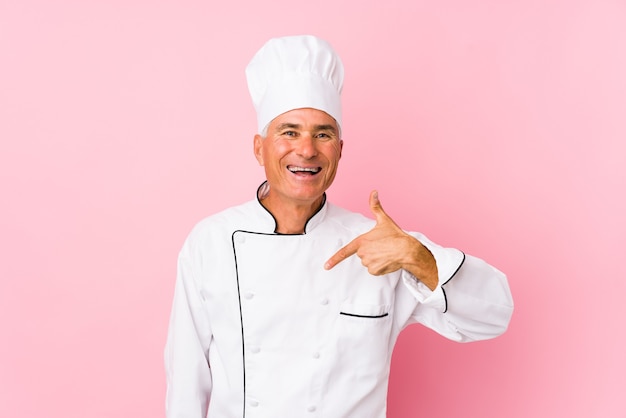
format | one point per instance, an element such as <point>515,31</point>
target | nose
<point>307,147</point>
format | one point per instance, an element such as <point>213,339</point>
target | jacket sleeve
<point>187,368</point>
<point>471,302</point>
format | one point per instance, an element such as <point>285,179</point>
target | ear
<point>340,147</point>
<point>258,148</point>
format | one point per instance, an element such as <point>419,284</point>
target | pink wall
<point>495,127</point>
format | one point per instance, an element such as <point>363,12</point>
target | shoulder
<point>351,222</point>
<point>222,223</point>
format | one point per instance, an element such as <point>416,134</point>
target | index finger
<point>347,251</point>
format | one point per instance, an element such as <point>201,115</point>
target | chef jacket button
<point>316,355</point>
<point>255,350</point>
<point>252,402</point>
<point>240,239</point>
<point>324,301</point>
<point>248,295</point>
<point>311,408</point>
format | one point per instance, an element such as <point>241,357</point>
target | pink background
<point>495,127</point>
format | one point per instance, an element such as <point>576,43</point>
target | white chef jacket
<point>258,328</point>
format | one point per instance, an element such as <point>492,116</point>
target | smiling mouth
<point>304,170</point>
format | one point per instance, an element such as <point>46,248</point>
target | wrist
<point>421,263</point>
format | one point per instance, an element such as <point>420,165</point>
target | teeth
<point>297,169</point>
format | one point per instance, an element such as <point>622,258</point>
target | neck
<point>291,218</point>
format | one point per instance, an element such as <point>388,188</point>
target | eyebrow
<point>330,128</point>
<point>288,126</point>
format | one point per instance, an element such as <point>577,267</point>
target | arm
<point>187,368</point>
<point>472,302</point>
<point>461,297</point>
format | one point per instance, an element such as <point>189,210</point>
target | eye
<point>324,136</point>
<point>290,133</point>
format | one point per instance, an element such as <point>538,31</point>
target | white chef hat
<point>295,72</point>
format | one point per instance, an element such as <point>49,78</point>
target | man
<point>288,306</point>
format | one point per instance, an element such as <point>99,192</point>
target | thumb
<point>376,207</point>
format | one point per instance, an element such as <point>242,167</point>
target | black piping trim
<point>243,344</point>
<point>445,298</point>
<point>272,215</point>
<point>364,316</point>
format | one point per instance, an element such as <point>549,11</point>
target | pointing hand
<point>387,248</point>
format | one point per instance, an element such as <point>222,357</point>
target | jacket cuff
<point>432,298</point>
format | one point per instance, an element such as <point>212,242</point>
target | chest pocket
<point>364,311</point>
<point>363,341</point>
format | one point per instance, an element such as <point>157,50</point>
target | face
<point>300,155</point>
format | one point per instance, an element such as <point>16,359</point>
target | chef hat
<point>295,72</point>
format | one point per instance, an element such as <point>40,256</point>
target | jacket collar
<point>268,218</point>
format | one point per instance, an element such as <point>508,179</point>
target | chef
<point>289,306</point>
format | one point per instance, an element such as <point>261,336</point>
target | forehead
<point>305,118</point>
